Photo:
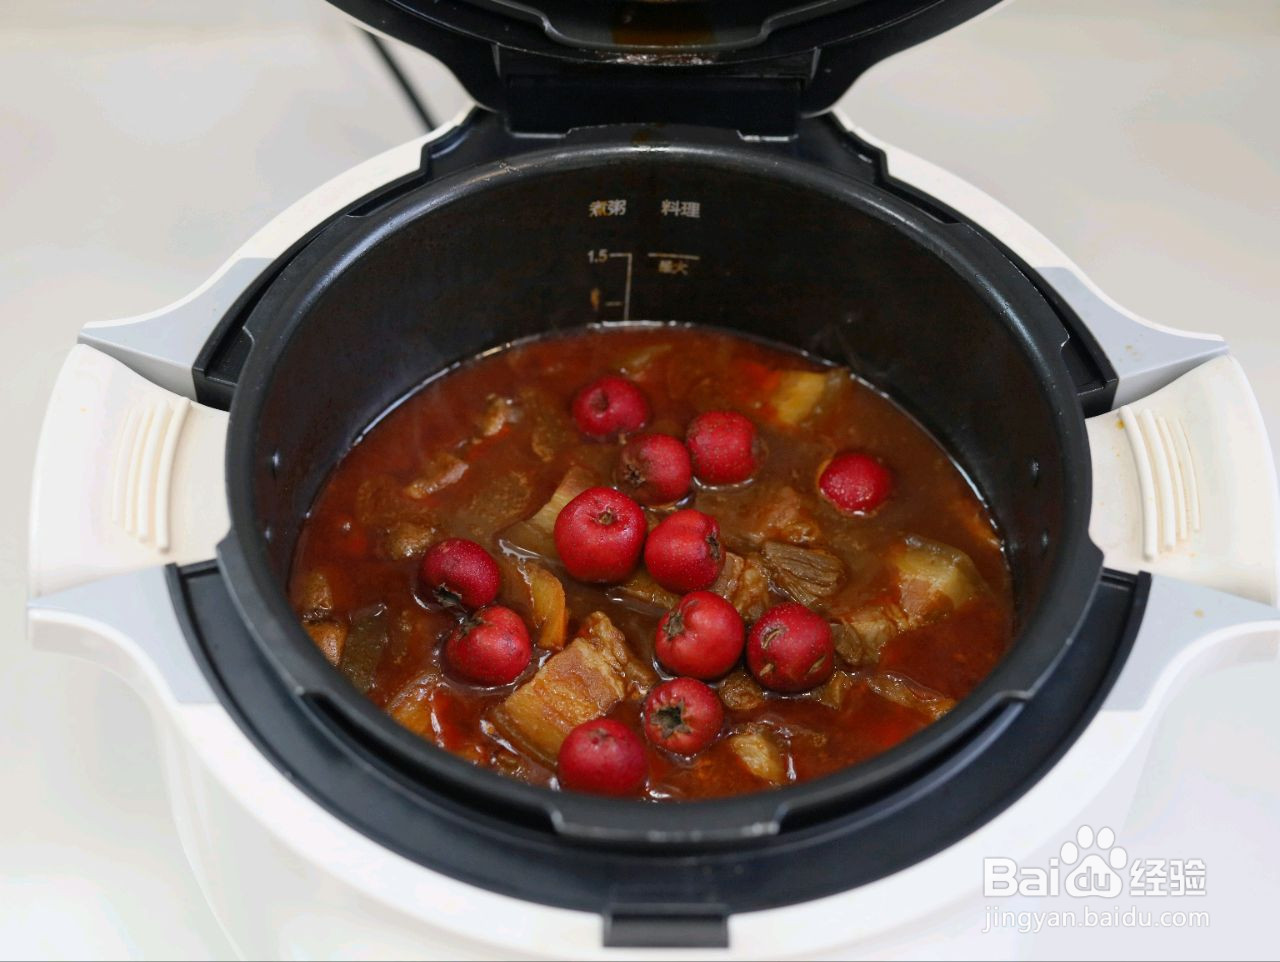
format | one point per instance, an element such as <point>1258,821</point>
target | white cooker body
<point>1185,488</point>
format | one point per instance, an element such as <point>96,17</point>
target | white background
<point>140,143</point>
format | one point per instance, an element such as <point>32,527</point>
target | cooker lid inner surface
<point>749,65</point>
<point>590,28</point>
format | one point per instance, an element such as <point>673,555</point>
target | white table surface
<point>142,142</point>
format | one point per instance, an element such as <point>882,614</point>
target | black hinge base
<point>666,926</point>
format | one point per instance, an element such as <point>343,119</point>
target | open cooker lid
<point>753,65</point>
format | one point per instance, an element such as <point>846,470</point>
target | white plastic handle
<point>1185,484</point>
<point>1145,355</point>
<point>128,625</point>
<point>163,345</point>
<point>128,476</point>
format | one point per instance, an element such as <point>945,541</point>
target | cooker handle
<point>127,476</point>
<point>1186,631</point>
<point>1189,629</point>
<point>163,345</point>
<point>1145,355</point>
<point>129,625</point>
<point>1184,484</point>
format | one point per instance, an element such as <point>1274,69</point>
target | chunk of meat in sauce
<point>806,575</point>
<point>500,500</point>
<point>726,582</point>
<point>787,398</point>
<point>402,526</point>
<point>551,430</point>
<point>405,540</point>
<point>953,654</point>
<point>908,694</point>
<point>929,581</point>
<point>740,692</point>
<point>412,707</point>
<point>789,517</point>
<point>799,393</point>
<point>768,513</point>
<point>760,753</point>
<point>330,637</point>
<point>382,501</point>
<point>365,645</point>
<point>744,583</point>
<point>498,413</point>
<point>320,590</point>
<point>595,672</point>
<point>934,579</point>
<point>645,594</point>
<point>440,471</point>
<point>836,688</point>
<point>548,610</point>
<point>640,364</point>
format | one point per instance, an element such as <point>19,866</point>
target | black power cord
<point>410,94</point>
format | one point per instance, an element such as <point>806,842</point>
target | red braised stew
<point>656,562</point>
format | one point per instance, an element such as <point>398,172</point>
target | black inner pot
<point>924,309</point>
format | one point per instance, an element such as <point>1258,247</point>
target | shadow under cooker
<point>925,308</point>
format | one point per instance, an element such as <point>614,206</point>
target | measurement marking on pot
<point>683,257</point>
<point>626,291</point>
<point>598,255</point>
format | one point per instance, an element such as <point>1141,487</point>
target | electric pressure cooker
<point>632,161</point>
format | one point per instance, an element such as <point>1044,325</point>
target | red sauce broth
<point>355,567</point>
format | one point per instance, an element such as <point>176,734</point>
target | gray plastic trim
<point>1178,615</point>
<point>1146,358</point>
<point>163,346</point>
<point>137,606</point>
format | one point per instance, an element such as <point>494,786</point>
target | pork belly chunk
<point>595,672</point>
<point>931,580</point>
